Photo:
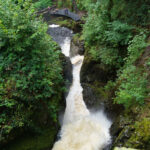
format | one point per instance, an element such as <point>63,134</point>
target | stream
<point>81,129</point>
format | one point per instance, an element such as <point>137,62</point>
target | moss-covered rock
<point>132,130</point>
<point>140,138</point>
<point>77,45</point>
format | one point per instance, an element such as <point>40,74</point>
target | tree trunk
<point>74,6</point>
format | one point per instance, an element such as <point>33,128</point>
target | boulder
<point>77,47</point>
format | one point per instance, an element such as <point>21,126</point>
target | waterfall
<point>81,128</point>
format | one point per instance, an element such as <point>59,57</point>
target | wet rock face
<point>81,48</point>
<point>92,72</point>
<point>59,33</point>
<point>67,71</point>
<point>77,47</point>
<point>94,77</point>
<point>124,135</point>
<point>74,50</point>
<point>89,96</point>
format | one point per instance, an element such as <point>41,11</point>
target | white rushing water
<point>81,129</point>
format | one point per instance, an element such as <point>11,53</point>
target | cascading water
<point>81,129</point>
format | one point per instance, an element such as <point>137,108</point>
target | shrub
<point>132,89</point>
<point>30,69</point>
<point>136,48</point>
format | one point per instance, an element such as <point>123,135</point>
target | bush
<point>30,69</point>
<point>132,89</point>
<point>136,48</point>
<point>133,83</point>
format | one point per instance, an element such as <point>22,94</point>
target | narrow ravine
<point>81,129</point>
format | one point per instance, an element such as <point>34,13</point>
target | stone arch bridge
<point>59,12</point>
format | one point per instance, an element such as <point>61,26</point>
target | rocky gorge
<point>101,82</point>
<point>94,77</point>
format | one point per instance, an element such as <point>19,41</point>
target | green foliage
<point>41,4</point>
<point>133,83</point>
<point>64,3</point>
<point>132,89</point>
<point>118,33</point>
<point>60,4</point>
<point>148,62</point>
<point>110,37</point>
<point>109,28</point>
<point>136,48</point>
<point>132,12</point>
<point>109,86</point>
<point>84,4</point>
<point>30,69</point>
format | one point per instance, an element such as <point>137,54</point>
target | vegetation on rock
<point>117,41</point>
<point>116,35</point>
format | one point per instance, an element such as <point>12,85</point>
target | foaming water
<point>75,106</point>
<point>86,133</point>
<point>81,129</point>
<point>65,46</point>
<point>53,26</point>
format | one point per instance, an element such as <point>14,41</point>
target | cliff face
<point>130,128</point>
<point>94,76</point>
<point>133,126</point>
